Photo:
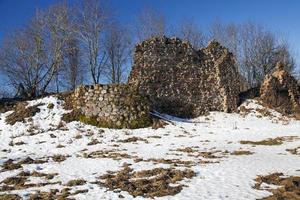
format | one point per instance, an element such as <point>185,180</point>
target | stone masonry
<point>111,106</point>
<point>280,92</point>
<point>182,81</point>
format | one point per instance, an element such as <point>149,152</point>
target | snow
<point>232,177</point>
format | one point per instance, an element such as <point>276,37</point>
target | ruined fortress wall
<point>182,81</point>
<point>280,92</point>
<point>112,106</point>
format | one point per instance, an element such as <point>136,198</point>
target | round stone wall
<point>111,106</point>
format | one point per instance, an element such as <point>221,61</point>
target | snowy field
<point>210,146</point>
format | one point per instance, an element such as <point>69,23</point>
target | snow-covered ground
<point>212,139</point>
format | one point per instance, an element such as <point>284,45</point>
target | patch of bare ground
<point>294,151</point>
<point>186,150</point>
<point>71,116</point>
<point>18,182</point>
<point>75,182</point>
<point>60,146</point>
<point>241,152</point>
<point>10,197</point>
<point>154,136</point>
<point>158,123</point>
<point>55,194</point>
<point>270,141</point>
<point>93,142</point>
<point>289,187</point>
<point>113,154</point>
<point>21,112</point>
<point>203,157</point>
<point>11,165</point>
<point>172,162</point>
<point>59,157</point>
<point>133,139</point>
<point>146,183</point>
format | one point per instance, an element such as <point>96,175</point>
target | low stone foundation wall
<point>111,106</point>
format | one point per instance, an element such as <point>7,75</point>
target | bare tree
<point>256,49</point>
<point>73,70</point>
<point>32,56</point>
<point>190,32</point>
<point>92,18</point>
<point>58,32</point>
<point>227,34</point>
<point>150,23</point>
<point>22,59</point>
<point>261,51</point>
<point>118,48</point>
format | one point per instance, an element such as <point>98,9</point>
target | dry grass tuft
<point>59,158</point>
<point>113,154</point>
<point>289,186</point>
<point>295,151</point>
<point>241,152</point>
<point>270,141</point>
<point>75,182</point>
<point>18,182</point>
<point>146,183</point>
<point>10,197</point>
<point>93,142</point>
<point>21,112</point>
<point>11,165</point>
<point>132,139</point>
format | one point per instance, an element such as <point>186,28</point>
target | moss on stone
<point>88,120</point>
<point>144,121</point>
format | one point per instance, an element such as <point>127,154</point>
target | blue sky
<point>281,16</point>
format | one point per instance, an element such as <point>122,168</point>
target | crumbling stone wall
<point>280,92</point>
<point>111,106</point>
<point>182,81</point>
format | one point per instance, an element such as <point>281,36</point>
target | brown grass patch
<point>173,162</point>
<point>241,152</point>
<point>75,182</point>
<point>270,141</point>
<point>93,142</point>
<point>289,187</point>
<point>295,151</point>
<point>10,197</point>
<point>52,195</point>
<point>158,123</point>
<point>146,183</point>
<point>154,136</point>
<point>71,116</point>
<point>113,154</point>
<point>21,112</point>
<point>132,139</point>
<point>11,165</point>
<point>59,158</point>
<point>186,150</point>
<point>18,182</point>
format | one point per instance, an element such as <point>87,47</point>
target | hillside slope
<point>211,157</point>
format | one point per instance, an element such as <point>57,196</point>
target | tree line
<point>67,45</point>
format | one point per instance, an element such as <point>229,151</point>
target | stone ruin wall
<point>182,81</point>
<point>280,92</point>
<point>111,106</point>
